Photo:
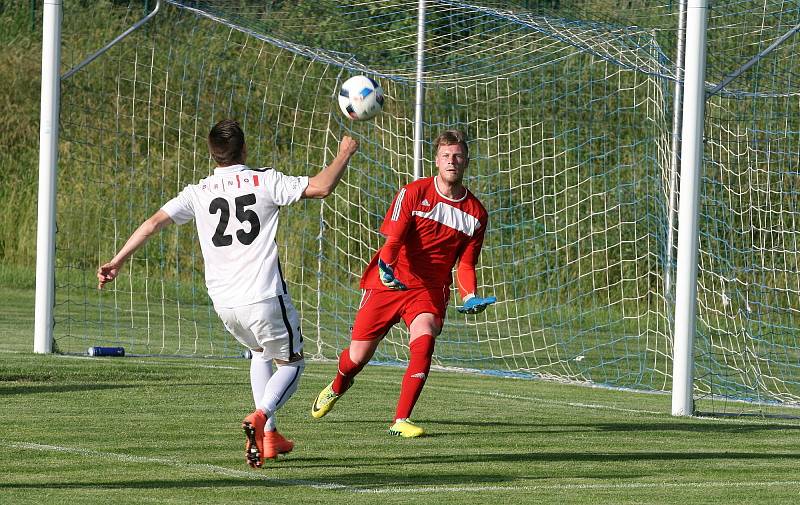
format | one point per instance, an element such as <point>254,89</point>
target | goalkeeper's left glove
<point>387,277</point>
<point>476,304</point>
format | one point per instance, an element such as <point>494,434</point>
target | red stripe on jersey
<point>255,180</point>
<point>238,182</point>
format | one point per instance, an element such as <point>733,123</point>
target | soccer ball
<point>361,98</point>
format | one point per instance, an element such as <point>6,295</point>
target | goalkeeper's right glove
<point>387,277</point>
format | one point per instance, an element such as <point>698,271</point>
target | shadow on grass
<point>342,482</point>
<point>540,457</point>
<point>145,484</point>
<point>441,428</point>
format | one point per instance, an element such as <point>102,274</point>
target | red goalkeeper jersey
<point>435,232</point>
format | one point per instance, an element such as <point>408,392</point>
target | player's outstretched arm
<point>109,271</point>
<point>475,304</point>
<point>323,184</point>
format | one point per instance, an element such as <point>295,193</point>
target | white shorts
<point>272,324</point>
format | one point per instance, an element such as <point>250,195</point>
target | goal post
<point>48,163</point>
<point>694,96</point>
<point>48,160</point>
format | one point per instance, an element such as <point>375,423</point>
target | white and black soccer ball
<point>361,98</point>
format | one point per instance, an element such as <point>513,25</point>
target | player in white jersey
<point>236,214</point>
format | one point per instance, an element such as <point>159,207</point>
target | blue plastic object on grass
<point>106,351</point>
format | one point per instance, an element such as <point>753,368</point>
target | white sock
<point>282,386</point>
<point>260,373</point>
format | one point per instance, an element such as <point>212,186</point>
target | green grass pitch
<point>83,430</point>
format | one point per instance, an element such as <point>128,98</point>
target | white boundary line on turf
<point>593,406</point>
<point>494,394</point>
<point>202,468</point>
<point>255,475</point>
<point>533,399</point>
<point>156,361</point>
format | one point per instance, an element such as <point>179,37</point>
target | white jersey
<point>236,213</point>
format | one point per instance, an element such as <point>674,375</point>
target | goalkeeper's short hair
<point>449,138</point>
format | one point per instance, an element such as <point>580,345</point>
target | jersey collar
<point>436,185</point>
<point>229,169</point>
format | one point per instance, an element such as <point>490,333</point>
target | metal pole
<point>691,165</point>
<point>677,117</point>
<point>111,44</point>
<point>755,59</point>
<point>420,99</point>
<point>48,160</point>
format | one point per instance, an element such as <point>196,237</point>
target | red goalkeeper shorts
<point>381,309</point>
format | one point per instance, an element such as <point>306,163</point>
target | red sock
<point>347,370</point>
<point>419,364</point>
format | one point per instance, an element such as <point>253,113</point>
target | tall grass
<point>20,62</point>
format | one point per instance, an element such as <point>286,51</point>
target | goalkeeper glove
<point>387,277</point>
<point>476,304</point>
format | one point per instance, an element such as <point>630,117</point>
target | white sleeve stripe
<point>398,204</point>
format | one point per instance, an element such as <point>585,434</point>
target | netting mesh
<point>569,112</point>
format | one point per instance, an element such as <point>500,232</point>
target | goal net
<point>569,112</point>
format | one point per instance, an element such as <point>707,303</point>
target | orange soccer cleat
<point>253,427</point>
<point>275,443</point>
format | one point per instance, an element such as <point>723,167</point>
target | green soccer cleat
<point>406,429</point>
<point>324,402</point>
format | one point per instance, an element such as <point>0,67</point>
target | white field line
<point>541,401</point>
<point>192,467</point>
<point>491,394</point>
<point>530,399</point>
<point>591,406</point>
<point>255,475</point>
<point>156,361</point>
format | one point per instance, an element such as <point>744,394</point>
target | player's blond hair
<point>449,138</point>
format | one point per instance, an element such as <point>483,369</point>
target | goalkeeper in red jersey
<point>432,224</point>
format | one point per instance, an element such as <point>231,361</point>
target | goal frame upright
<point>52,16</point>
<point>48,161</point>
